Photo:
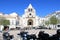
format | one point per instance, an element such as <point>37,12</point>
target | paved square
<point>33,31</point>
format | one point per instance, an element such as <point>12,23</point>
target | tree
<point>47,23</point>
<point>59,21</point>
<point>53,20</point>
<point>3,21</point>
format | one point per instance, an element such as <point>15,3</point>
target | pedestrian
<point>5,32</point>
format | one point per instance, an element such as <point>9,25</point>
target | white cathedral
<point>28,19</point>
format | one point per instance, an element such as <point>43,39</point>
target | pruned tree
<point>47,23</point>
<point>3,21</point>
<point>53,20</point>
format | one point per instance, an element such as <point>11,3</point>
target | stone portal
<point>30,22</point>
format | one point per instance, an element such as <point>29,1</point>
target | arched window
<point>17,22</point>
<point>30,10</point>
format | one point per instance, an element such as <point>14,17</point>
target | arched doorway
<point>30,22</point>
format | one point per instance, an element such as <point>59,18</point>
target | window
<point>17,22</point>
<point>12,22</point>
<point>29,10</point>
<point>30,14</point>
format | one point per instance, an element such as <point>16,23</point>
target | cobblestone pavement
<point>33,31</point>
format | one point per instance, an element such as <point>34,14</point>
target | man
<point>5,32</point>
<point>6,35</point>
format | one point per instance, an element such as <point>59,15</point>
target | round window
<point>30,14</point>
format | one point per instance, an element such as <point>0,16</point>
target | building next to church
<point>28,19</point>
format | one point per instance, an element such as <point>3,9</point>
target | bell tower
<point>30,11</point>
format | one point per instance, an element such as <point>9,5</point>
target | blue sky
<point>43,7</point>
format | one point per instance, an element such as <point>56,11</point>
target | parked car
<point>41,27</point>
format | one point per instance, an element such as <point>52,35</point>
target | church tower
<point>30,11</point>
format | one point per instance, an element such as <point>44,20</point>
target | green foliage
<point>59,21</point>
<point>3,21</point>
<point>53,20</point>
<point>47,22</point>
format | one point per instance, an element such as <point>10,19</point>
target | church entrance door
<point>30,22</point>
